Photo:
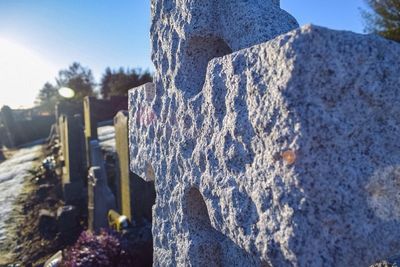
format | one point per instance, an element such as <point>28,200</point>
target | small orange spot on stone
<point>289,156</point>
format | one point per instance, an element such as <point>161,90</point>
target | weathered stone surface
<point>288,156</point>
<point>387,263</point>
<point>187,34</point>
<point>142,108</point>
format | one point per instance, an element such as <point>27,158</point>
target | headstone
<point>34,128</point>
<point>62,131</point>
<point>100,200</point>
<point>90,126</point>
<point>121,141</point>
<point>97,111</point>
<point>136,197</point>
<point>161,147</point>
<point>74,172</point>
<point>67,109</point>
<point>97,157</point>
<point>11,132</point>
<point>284,153</point>
<point>100,197</point>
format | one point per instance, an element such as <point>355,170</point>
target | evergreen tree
<point>119,82</point>
<point>78,78</point>
<point>47,98</point>
<point>384,18</point>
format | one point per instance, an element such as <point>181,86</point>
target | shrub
<point>103,249</point>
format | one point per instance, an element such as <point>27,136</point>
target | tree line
<point>80,79</point>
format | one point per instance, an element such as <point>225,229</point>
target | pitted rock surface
<point>186,35</point>
<point>287,156</point>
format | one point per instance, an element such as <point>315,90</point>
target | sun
<point>22,74</point>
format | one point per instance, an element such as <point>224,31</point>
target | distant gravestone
<point>100,200</point>
<point>100,197</point>
<point>68,109</point>
<point>62,130</point>
<point>122,150</point>
<point>11,134</point>
<point>90,126</point>
<point>136,197</point>
<point>74,172</point>
<point>271,145</point>
<point>96,111</point>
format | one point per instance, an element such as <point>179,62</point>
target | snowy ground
<point>12,176</point>
<point>14,171</point>
<point>106,136</point>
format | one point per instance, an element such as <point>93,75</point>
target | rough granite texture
<point>187,34</point>
<point>287,156</point>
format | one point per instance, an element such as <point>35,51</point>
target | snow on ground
<point>12,176</point>
<point>106,136</point>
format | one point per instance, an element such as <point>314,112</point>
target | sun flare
<point>22,74</point>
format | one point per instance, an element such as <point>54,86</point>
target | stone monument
<point>135,197</point>
<point>100,198</point>
<point>73,153</point>
<point>269,144</point>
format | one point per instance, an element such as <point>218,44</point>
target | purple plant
<point>103,249</point>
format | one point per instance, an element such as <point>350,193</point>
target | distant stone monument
<point>73,152</point>
<point>284,153</point>
<point>11,135</point>
<point>97,208</point>
<point>96,111</point>
<point>100,198</point>
<point>136,197</point>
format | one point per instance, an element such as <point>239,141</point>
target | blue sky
<point>101,33</point>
